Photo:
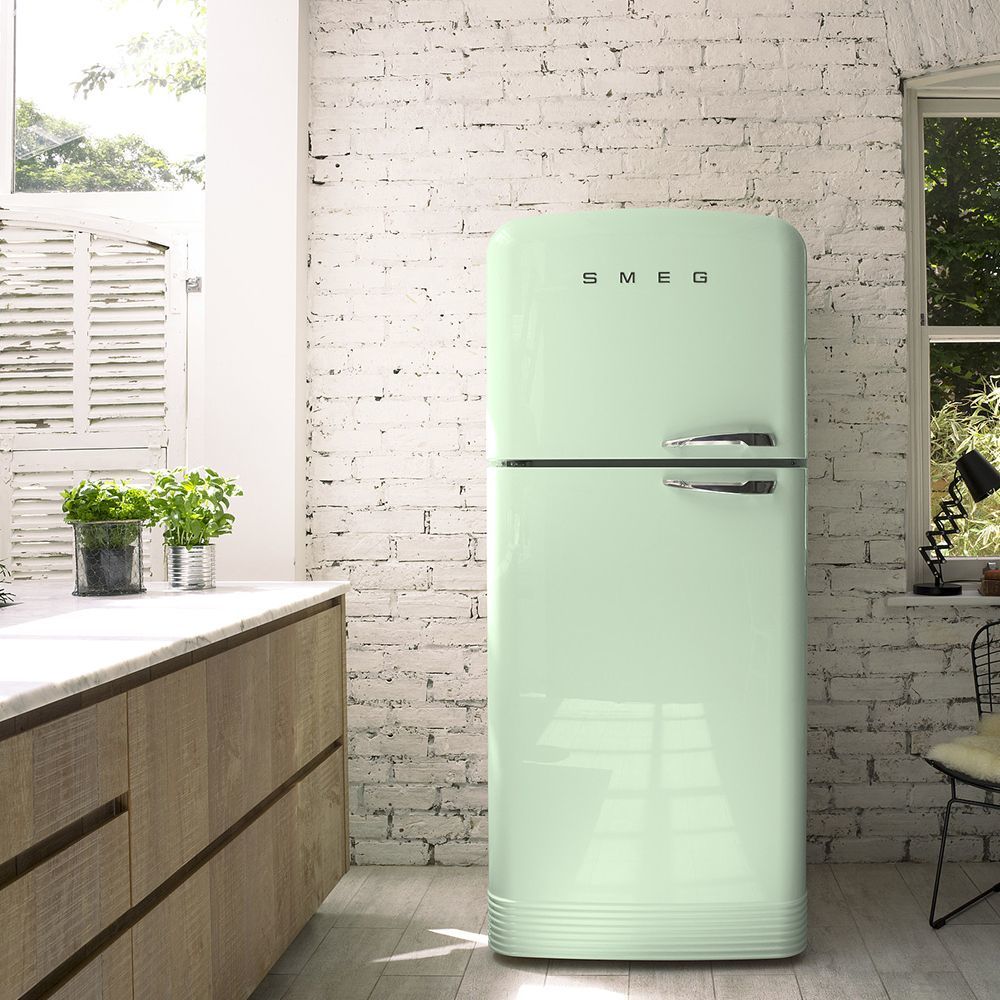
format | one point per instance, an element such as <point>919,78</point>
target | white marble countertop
<point>53,644</point>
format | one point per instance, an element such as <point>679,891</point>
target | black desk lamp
<point>981,480</point>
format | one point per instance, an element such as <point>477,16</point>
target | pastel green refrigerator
<point>646,566</point>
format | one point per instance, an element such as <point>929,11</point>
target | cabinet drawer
<point>172,945</point>
<point>60,771</point>
<point>168,764</point>
<point>57,907</point>
<point>307,661</point>
<point>106,977</point>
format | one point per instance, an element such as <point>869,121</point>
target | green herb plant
<point>6,597</point>
<point>92,501</point>
<point>192,505</point>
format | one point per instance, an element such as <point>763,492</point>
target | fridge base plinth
<point>644,932</point>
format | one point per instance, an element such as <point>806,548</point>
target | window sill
<point>969,598</point>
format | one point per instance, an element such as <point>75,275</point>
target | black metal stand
<point>933,590</point>
<point>937,922</point>
<point>946,523</point>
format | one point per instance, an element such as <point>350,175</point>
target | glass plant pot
<point>108,558</point>
<point>190,567</point>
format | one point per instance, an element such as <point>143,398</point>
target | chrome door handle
<point>748,439</point>
<point>750,486</point>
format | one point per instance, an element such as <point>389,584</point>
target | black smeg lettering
<point>631,278</point>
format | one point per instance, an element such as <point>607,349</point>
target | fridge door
<point>612,332</point>
<point>647,712</point>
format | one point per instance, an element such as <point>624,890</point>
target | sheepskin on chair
<point>975,756</point>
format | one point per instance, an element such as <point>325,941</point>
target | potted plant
<point>107,518</point>
<point>192,507</point>
<point>6,597</point>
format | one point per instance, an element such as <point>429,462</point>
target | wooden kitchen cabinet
<point>170,840</point>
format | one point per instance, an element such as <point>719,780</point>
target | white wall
<point>254,397</point>
<point>433,122</point>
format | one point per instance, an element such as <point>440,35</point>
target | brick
<point>426,827</point>
<point>390,852</point>
<point>460,854</point>
<point>866,688</point>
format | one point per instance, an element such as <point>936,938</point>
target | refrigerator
<point>646,586</point>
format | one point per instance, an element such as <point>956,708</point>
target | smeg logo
<point>662,277</point>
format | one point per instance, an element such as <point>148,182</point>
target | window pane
<point>965,413</point>
<point>110,95</point>
<point>962,205</point>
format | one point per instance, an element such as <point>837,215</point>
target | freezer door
<point>647,711</point>
<point>612,332</point>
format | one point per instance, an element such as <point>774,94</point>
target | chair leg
<point>938,922</point>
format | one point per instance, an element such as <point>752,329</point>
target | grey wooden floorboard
<point>892,924</point>
<point>756,986</point>
<point>956,888</point>
<point>318,926</point>
<point>836,964</point>
<point>984,875</point>
<point>586,967</point>
<point>670,981</point>
<point>445,927</point>
<point>349,960</point>
<point>272,987</point>
<point>928,986</point>
<point>572,987</point>
<point>389,899</point>
<point>489,976</point>
<point>416,988</point>
<point>976,949</point>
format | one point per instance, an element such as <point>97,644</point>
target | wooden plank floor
<point>420,934</point>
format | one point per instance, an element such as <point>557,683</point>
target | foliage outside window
<point>6,597</point>
<point>109,95</point>
<point>962,217</point>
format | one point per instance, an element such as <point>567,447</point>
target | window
<point>108,95</point>
<point>92,328</point>
<point>953,212</point>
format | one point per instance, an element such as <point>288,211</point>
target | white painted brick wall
<point>434,121</point>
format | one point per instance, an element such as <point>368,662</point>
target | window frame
<point>170,208</point>
<point>966,92</point>
<point>7,97</point>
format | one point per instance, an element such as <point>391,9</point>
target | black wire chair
<point>985,649</point>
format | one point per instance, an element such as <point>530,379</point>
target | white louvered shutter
<point>92,370</point>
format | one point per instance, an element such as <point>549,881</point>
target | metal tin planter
<point>107,558</point>
<point>190,568</point>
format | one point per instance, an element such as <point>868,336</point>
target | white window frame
<point>967,92</point>
<point>177,216</point>
<point>7,25</point>
<point>184,208</point>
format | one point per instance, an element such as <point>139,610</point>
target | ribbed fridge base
<point>647,932</point>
